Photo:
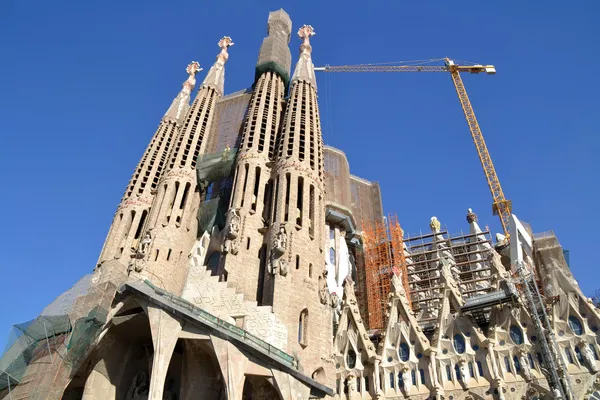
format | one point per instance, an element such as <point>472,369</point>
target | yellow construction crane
<point>501,206</point>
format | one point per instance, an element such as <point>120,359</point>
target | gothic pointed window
<point>575,325</point>
<point>403,351</point>
<point>517,364</point>
<point>530,358</point>
<point>422,373</point>
<point>459,343</point>
<point>471,371</point>
<point>480,368</point>
<point>507,364</point>
<point>516,334</point>
<point>579,355</point>
<point>448,373</point>
<point>569,356</point>
<point>351,358</point>
<point>303,327</point>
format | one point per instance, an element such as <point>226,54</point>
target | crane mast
<point>500,206</point>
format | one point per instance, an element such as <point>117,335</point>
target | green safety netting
<point>213,173</point>
<point>24,340</point>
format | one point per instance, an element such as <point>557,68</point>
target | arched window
<point>351,359</point>
<point>403,351</point>
<point>303,327</point>
<point>471,372</point>
<point>332,255</point>
<point>459,343</point>
<point>212,263</point>
<point>578,355</point>
<point>413,376</point>
<point>507,364</point>
<point>422,373</point>
<point>480,368</point>
<point>569,356</point>
<point>516,334</point>
<point>392,380</point>
<point>575,325</point>
<point>448,373</point>
<point>517,364</point>
<point>530,358</point>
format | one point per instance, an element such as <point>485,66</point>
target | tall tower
<point>125,232</point>
<point>252,190</point>
<point>172,225</point>
<point>295,248</point>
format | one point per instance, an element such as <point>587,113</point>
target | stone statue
<point>525,367</point>
<point>233,230</point>
<point>145,243</point>
<point>588,356</point>
<point>464,373</point>
<point>435,224</point>
<point>406,379</point>
<point>280,242</point>
<point>225,43</point>
<point>139,387</point>
<point>283,267</point>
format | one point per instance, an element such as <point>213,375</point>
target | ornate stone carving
<point>588,356</point>
<point>145,244</point>
<point>323,290</point>
<point>280,242</point>
<point>406,379</point>
<point>435,224</point>
<point>464,372</point>
<point>525,366</point>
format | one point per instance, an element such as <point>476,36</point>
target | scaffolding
<point>384,256</point>
<point>471,269</point>
<point>43,354</point>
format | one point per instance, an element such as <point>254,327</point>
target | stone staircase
<point>222,300</point>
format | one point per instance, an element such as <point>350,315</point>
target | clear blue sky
<point>85,83</point>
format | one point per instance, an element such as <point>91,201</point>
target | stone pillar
<point>165,332</point>
<point>289,387</point>
<point>233,366</point>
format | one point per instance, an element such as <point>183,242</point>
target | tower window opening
<point>392,380</point>
<point>422,373</point>
<point>297,261</point>
<point>184,197</point>
<point>299,201</point>
<point>310,270</point>
<point>303,327</point>
<point>569,356</point>
<point>256,188</point>
<point>156,255</point>
<point>248,244</point>
<point>287,197</point>
<point>448,373</point>
<point>267,201</point>
<point>530,358</point>
<point>244,186</point>
<point>138,232</point>
<point>172,202</point>
<point>275,201</point>
<point>169,255</point>
<point>311,211</point>
<point>262,266</point>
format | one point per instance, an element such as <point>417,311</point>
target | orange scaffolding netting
<point>384,256</point>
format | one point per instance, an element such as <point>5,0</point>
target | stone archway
<point>259,388</point>
<point>199,360</point>
<point>120,364</point>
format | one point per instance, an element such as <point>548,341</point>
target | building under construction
<point>245,261</point>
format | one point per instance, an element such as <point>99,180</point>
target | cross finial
<point>305,33</point>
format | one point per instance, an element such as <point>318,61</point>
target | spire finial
<point>435,225</point>
<point>192,69</point>
<point>305,33</point>
<point>224,44</point>
<point>471,216</point>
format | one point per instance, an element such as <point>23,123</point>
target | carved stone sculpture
<point>233,229</point>
<point>464,373</point>
<point>283,267</point>
<point>280,241</point>
<point>406,379</point>
<point>525,367</point>
<point>323,290</point>
<point>588,356</point>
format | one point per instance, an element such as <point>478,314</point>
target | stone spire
<point>216,75</point>
<point>181,104</point>
<point>475,229</point>
<point>305,70</point>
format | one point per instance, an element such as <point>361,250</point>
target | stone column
<point>165,332</point>
<point>233,366</point>
<point>290,387</point>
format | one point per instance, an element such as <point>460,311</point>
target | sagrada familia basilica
<point>234,268</point>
